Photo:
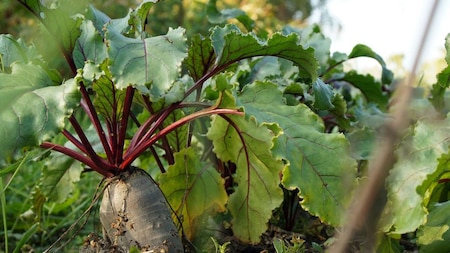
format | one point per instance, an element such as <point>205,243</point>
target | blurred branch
<point>362,218</point>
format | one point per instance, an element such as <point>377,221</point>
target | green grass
<point>29,224</point>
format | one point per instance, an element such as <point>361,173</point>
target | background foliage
<point>314,127</point>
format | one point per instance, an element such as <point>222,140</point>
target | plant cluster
<point>232,125</point>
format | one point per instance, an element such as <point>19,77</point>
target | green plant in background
<point>224,121</point>
<point>145,108</point>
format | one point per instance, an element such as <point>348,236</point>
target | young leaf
<point>151,64</point>
<point>32,110</point>
<point>192,187</point>
<point>200,57</point>
<point>319,163</point>
<point>230,45</point>
<point>108,100</point>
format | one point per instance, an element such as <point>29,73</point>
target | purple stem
<point>77,156</point>
<point>87,145</point>
<point>124,123</point>
<point>130,157</point>
<point>88,107</point>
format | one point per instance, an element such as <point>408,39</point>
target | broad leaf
<point>14,51</point>
<point>388,244</point>
<point>151,64</point>
<point>230,45</point>
<point>248,145</point>
<point>192,188</point>
<point>323,95</point>
<point>177,138</point>
<point>443,81</point>
<point>60,174</point>
<point>364,51</point>
<point>89,46</point>
<point>200,58</point>
<point>32,110</point>
<point>369,87</point>
<point>439,89</point>
<point>312,36</point>
<point>362,142</point>
<point>218,17</point>
<point>319,163</point>
<point>61,21</point>
<point>435,234</point>
<point>417,160</point>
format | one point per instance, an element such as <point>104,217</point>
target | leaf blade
<point>320,165</point>
<point>34,110</point>
<point>230,46</point>
<point>192,188</point>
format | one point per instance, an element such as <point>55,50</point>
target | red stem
<point>130,157</point>
<point>87,145</point>
<point>124,123</point>
<point>74,140</point>
<point>88,107</point>
<point>77,156</point>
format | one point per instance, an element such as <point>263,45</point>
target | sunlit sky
<point>389,27</point>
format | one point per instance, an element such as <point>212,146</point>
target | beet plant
<point>193,133</point>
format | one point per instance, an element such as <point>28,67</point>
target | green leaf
<point>248,145</point>
<point>108,101</point>
<point>364,51</point>
<point>59,176</point>
<point>32,110</point>
<point>417,160</point>
<point>439,89</point>
<point>388,244</point>
<point>192,188</point>
<point>178,138</point>
<point>230,45</point>
<point>12,50</point>
<point>363,141</point>
<point>443,82</point>
<point>370,88</point>
<point>26,236</point>
<point>311,36</point>
<point>200,57</point>
<point>447,47</point>
<point>320,165</point>
<point>151,64</point>
<point>89,46</point>
<point>323,95</point>
<point>434,235</point>
<point>138,16</point>
<point>61,20</point>
<point>218,17</point>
